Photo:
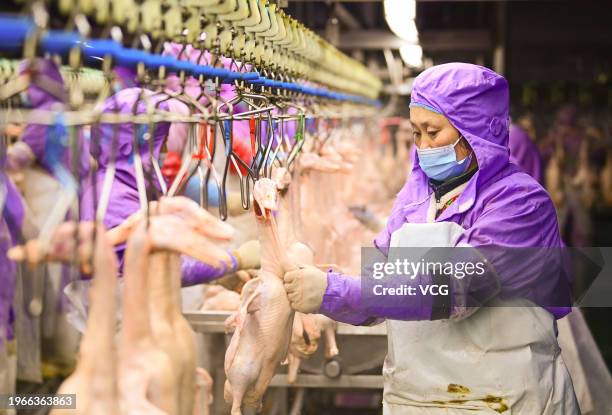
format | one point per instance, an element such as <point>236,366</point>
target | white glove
<point>305,288</point>
<point>248,255</point>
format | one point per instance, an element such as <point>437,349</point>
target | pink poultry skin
<point>264,320</point>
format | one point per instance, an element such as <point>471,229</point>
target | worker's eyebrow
<point>423,124</point>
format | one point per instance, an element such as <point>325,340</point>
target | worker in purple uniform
<point>125,189</point>
<point>457,356</point>
<point>11,221</point>
<point>124,200</point>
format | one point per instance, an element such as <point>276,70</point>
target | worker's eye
<point>416,135</point>
<point>432,134</point>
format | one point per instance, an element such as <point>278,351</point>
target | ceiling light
<point>404,8</point>
<point>400,15</point>
<point>412,55</point>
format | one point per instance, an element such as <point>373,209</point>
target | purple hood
<point>476,103</point>
<point>501,205</point>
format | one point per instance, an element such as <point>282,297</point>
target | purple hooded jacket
<point>524,153</point>
<point>10,226</point>
<point>124,194</point>
<point>500,206</point>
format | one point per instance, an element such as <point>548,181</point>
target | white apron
<point>498,360</point>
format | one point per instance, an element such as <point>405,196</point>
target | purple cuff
<point>342,299</point>
<point>195,272</point>
<point>343,302</point>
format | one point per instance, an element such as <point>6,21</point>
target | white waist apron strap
<point>503,358</point>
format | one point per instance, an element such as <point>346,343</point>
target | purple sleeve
<point>343,301</point>
<point>195,272</point>
<point>382,240</point>
<point>8,272</point>
<point>11,220</point>
<point>14,211</point>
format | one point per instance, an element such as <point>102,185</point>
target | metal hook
<point>299,141</point>
<point>237,163</point>
<point>138,167</point>
<point>109,175</point>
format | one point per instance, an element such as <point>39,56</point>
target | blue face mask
<point>441,163</point>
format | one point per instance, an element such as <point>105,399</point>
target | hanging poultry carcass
<point>69,237</point>
<point>66,240</point>
<point>326,187</point>
<point>328,327</point>
<point>264,321</point>
<point>169,343</point>
<point>306,330</point>
<point>304,343</point>
<point>306,338</point>
<point>168,338</point>
<point>585,179</point>
<point>146,376</point>
<point>171,330</point>
<point>94,380</point>
<point>605,180</point>
<point>163,307</point>
<point>218,298</point>
<point>204,392</point>
<point>554,177</point>
<point>315,171</point>
<point>305,333</point>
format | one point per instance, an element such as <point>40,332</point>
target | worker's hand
<point>236,280</point>
<point>305,288</point>
<point>248,255</point>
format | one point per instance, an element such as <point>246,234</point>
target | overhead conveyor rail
<point>250,31</point>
